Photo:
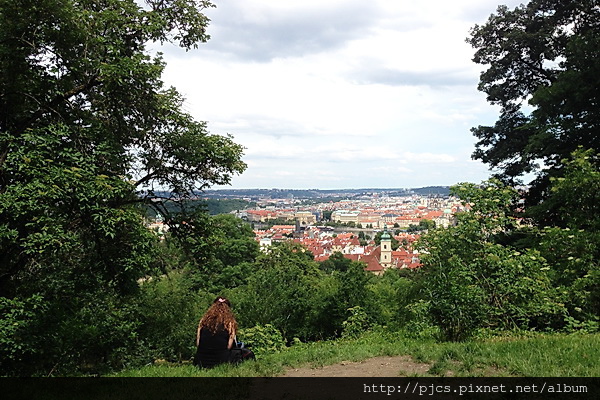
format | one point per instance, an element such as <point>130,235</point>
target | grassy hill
<point>519,354</point>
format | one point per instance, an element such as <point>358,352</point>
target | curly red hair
<point>219,315</point>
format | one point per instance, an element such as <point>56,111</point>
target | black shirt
<point>213,348</point>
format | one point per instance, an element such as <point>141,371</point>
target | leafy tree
<point>350,289</point>
<point>574,198</point>
<point>572,247</point>
<point>471,280</point>
<point>168,310</point>
<point>424,225</point>
<point>356,324</point>
<point>287,290</point>
<point>83,64</point>
<point>390,294</point>
<point>67,242</point>
<point>262,339</point>
<point>543,53</point>
<point>279,221</point>
<point>220,249</point>
<point>335,263</point>
<point>88,132</point>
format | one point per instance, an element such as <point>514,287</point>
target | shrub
<point>473,280</point>
<point>356,324</point>
<point>16,319</point>
<point>262,339</point>
<point>419,324</point>
<point>170,312</point>
<point>286,290</point>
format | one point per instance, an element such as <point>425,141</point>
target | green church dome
<point>385,235</point>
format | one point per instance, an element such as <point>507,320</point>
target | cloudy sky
<point>341,93</point>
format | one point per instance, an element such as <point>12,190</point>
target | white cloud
<point>325,94</point>
<point>427,158</point>
<point>261,31</point>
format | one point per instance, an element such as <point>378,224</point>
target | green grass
<point>532,355</point>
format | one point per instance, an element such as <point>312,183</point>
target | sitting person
<point>215,337</point>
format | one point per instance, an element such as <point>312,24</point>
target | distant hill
<point>212,206</point>
<point>324,193</point>
<point>433,190</point>
<point>333,194</point>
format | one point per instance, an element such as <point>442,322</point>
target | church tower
<point>386,249</point>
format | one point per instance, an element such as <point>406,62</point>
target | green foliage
<point>349,289</point>
<point>587,326</point>
<point>572,247</point>
<point>220,250</point>
<point>169,311</point>
<point>17,317</point>
<point>492,271</point>
<point>98,336</point>
<point>225,206</point>
<point>573,200</point>
<point>471,281</point>
<point>89,334</point>
<point>539,53</point>
<point>573,255</point>
<point>336,263</point>
<point>424,225</point>
<point>419,325</point>
<point>87,132</point>
<point>212,206</point>
<point>386,293</point>
<point>286,290</point>
<point>262,339</point>
<point>356,324</point>
<point>457,305</point>
<point>73,235</point>
<point>64,211</point>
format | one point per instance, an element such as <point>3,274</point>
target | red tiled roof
<point>373,265</point>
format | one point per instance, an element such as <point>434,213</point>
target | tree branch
<point>93,81</point>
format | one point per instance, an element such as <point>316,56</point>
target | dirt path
<point>372,367</point>
<point>377,367</point>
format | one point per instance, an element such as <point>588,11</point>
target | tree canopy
<point>87,127</point>
<point>543,71</point>
<point>88,132</point>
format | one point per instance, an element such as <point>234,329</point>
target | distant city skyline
<point>365,189</point>
<point>341,94</point>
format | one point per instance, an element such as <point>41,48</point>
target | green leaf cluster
<point>495,269</point>
<point>356,324</point>
<point>262,339</point>
<point>540,56</point>
<point>90,137</point>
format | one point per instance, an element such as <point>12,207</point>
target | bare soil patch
<point>384,366</point>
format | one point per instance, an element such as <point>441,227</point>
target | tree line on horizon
<point>90,137</point>
<point>312,193</point>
